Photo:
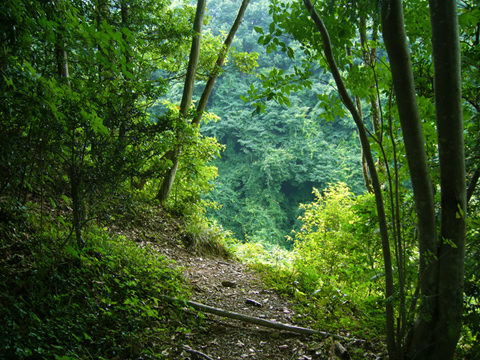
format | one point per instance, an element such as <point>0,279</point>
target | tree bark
<point>473,184</point>
<point>62,58</point>
<point>436,330</point>
<point>168,180</point>
<point>350,105</point>
<point>448,106</point>
<point>202,104</point>
<point>193,59</point>
<point>399,56</point>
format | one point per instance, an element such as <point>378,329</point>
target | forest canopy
<point>341,136</point>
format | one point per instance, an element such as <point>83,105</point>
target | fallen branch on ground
<point>198,354</point>
<point>256,321</point>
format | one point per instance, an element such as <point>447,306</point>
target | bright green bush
<point>337,258</point>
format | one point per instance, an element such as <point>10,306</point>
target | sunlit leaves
<point>332,252</point>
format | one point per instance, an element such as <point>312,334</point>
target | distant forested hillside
<point>273,159</point>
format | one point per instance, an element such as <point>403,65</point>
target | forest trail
<point>232,286</point>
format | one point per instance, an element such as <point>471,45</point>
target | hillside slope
<point>110,302</point>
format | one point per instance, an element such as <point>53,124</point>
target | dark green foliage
<point>470,344</point>
<point>76,82</point>
<point>105,302</point>
<point>75,146</point>
<point>274,158</point>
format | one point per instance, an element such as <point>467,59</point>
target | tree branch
<point>254,320</point>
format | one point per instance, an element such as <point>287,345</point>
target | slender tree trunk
<point>202,104</point>
<point>349,103</point>
<point>473,184</point>
<point>127,107</point>
<point>61,53</point>
<point>167,183</point>
<point>100,10</point>
<point>75,178</point>
<point>358,102</point>
<point>193,59</point>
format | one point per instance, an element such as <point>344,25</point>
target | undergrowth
<point>326,308</point>
<point>104,302</point>
<point>334,271</point>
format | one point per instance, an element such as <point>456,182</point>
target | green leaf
<point>459,213</point>
<point>258,29</point>
<point>127,32</point>
<point>97,126</point>
<point>66,199</point>
<point>127,73</point>
<point>272,27</point>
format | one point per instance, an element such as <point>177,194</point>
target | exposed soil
<point>232,286</point>
<point>233,339</point>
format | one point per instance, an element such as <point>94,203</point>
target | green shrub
<point>105,302</point>
<point>336,269</point>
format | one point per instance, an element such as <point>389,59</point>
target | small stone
<point>253,302</point>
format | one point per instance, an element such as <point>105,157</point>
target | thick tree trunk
<point>448,105</point>
<point>435,332</point>
<point>399,56</point>
<point>349,103</point>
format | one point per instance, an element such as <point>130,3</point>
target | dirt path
<point>232,286</point>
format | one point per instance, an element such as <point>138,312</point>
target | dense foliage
<point>361,57</point>
<point>104,302</point>
<point>78,150</point>
<point>274,158</point>
<point>89,116</point>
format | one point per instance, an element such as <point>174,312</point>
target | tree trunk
<point>473,184</point>
<point>358,102</point>
<point>61,53</point>
<point>102,13</point>
<point>202,104</point>
<point>167,183</point>
<point>349,103</point>
<point>254,320</point>
<point>448,105</point>
<point>435,332</point>
<point>396,43</point>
